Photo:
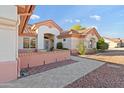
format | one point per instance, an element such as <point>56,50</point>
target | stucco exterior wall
<point>71,43</point>
<point>111,43</point>
<point>8,11</point>
<point>45,29</point>
<point>8,36</point>
<point>88,38</point>
<point>37,59</point>
<point>8,43</point>
<point>20,42</point>
<point>74,43</point>
<point>66,43</point>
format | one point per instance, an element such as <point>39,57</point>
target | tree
<point>101,44</point>
<point>81,48</point>
<point>77,27</point>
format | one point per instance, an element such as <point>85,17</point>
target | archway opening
<point>48,41</point>
<point>92,43</point>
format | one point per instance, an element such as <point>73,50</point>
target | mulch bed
<point>106,76</point>
<point>46,67</point>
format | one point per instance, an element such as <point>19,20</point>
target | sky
<point>108,20</point>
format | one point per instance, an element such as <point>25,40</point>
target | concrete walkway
<point>58,77</point>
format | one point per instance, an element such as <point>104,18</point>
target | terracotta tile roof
<point>78,33</point>
<point>116,40</point>
<point>49,23</point>
<point>30,30</point>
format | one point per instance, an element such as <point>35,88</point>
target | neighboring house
<point>113,42</point>
<point>71,39</point>
<point>40,36</point>
<point>122,42</point>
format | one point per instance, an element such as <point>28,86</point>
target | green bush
<point>59,45</point>
<point>106,45</point>
<point>81,48</point>
<point>65,48</point>
<point>102,45</point>
<point>52,48</point>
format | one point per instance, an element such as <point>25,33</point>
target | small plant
<point>81,48</point>
<point>59,45</point>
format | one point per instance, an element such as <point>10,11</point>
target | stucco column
<point>40,41</point>
<point>55,42</point>
<point>8,43</point>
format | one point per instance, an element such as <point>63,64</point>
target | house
<point>39,36</point>
<point>71,39</point>
<point>122,42</point>
<point>17,36</point>
<point>12,22</point>
<point>113,42</point>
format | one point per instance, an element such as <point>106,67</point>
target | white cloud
<point>69,20</point>
<point>96,17</point>
<point>77,20</point>
<point>33,17</point>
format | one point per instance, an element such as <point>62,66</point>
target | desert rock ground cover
<point>112,56</point>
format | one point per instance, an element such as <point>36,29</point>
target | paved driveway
<point>58,77</point>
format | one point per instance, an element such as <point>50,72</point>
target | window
<point>26,43</point>
<point>92,43</point>
<point>29,42</point>
<point>32,43</point>
<point>64,39</point>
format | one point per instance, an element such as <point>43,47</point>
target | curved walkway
<point>58,77</point>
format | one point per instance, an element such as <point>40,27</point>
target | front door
<point>46,44</point>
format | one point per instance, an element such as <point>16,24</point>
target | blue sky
<point>109,20</point>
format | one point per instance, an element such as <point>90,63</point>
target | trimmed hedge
<point>59,45</point>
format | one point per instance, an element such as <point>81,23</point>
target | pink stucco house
<point>23,45</point>
<point>40,36</point>
<point>71,39</point>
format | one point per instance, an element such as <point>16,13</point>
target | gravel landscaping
<point>106,76</point>
<point>111,56</point>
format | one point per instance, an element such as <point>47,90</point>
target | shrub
<point>106,45</point>
<point>81,48</point>
<point>102,45</point>
<point>65,48</point>
<point>59,45</point>
<point>52,48</point>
